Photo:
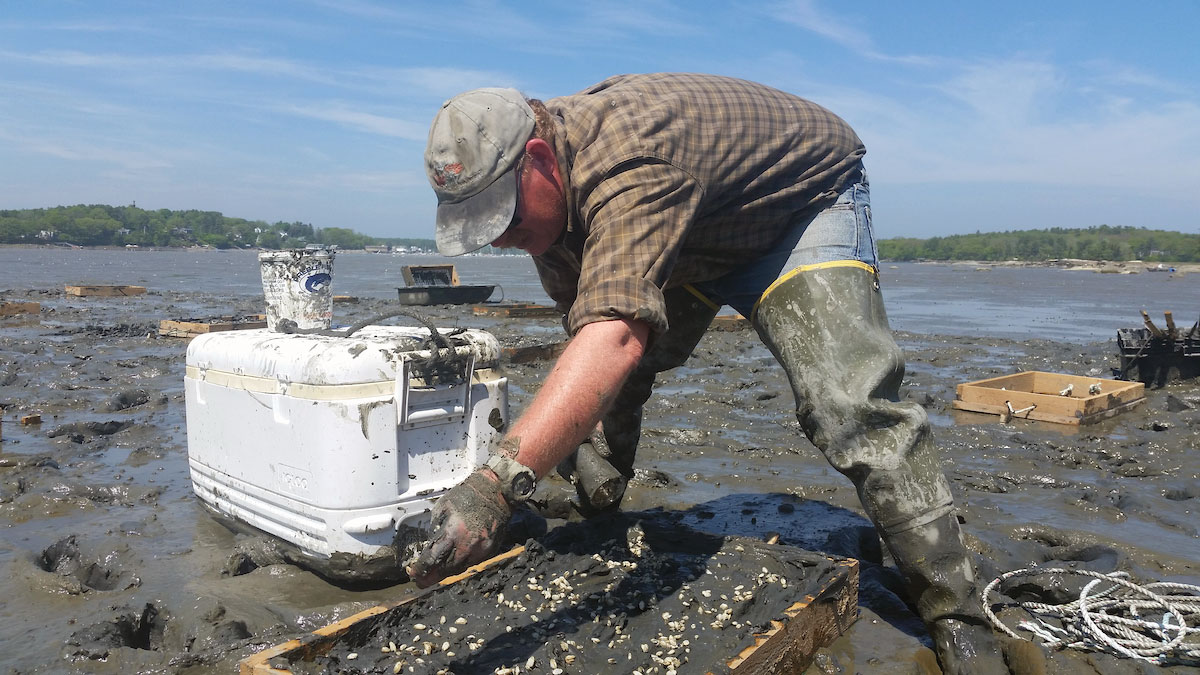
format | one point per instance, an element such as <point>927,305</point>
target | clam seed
<point>460,621</point>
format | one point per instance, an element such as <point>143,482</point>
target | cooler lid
<point>373,354</point>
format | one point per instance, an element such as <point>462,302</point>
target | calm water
<point>940,299</point>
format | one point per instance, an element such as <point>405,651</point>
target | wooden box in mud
<point>618,594</point>
<point>1050,397</point>
<point>189,328</point>
<point>105,291</point>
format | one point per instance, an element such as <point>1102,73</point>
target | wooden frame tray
<point>184,328</point>
<point>17,308</point>
<point>1050,397</point>
<point>824,606</point>
<point>515,310</point>
<point>105,291</point>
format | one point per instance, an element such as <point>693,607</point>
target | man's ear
<point>543,156</point>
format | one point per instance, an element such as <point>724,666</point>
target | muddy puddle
<point>110,564</point>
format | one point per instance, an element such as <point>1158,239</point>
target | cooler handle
<point>433,405</point>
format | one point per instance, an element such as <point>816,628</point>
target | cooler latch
<point>422,405</point>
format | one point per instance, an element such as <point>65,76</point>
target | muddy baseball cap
<point>474,144</point>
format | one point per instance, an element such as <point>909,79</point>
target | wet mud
<point>111,565</point>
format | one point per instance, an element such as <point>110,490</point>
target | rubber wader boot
<point>688,317</point>
<point>826,325</point>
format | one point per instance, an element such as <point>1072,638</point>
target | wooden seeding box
<point>584,605</point>
<point>191,328</point>
<point>516,311</point>
<point>1050,397</point>
<point>533,353</point>
<point>729,322</point>
<point>105,291</point>
<point>16,308</point>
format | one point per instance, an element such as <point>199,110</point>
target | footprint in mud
<point>1183,494</point>
<point>80,432</point>
<point>72,571</point>
<point>139,629</point>
<point>129,398</point>
<point>1060,550</point>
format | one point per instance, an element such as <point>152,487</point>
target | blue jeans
<point>841,231</point>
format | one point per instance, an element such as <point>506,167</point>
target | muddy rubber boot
<point>827,326</point>
<point>688,317</point>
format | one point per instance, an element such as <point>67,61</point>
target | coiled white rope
<point>1113,620</point>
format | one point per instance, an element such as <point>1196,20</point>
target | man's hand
<point>469,522</point>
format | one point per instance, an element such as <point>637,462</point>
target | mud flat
<point>110,564</point>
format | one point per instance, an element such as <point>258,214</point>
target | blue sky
<point>976,116</point>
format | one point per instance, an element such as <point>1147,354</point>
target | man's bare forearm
<point>577,392</point>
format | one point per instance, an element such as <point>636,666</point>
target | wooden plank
<point>105,291</point>
<point>533,353</point>
<point>788,646</point>
<point>515,310</point>
<point>15,308</point>
<point>1048,417</point>
<point>172,328</point>
<point>729,322</point>
<point>345,299</point>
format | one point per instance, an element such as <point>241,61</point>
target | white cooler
<point>339,445</point>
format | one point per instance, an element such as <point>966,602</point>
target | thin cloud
<point>361,121</point>
<point>834,26</point>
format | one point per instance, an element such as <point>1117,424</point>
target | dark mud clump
<point>135,629</point>
<point>81,573</point>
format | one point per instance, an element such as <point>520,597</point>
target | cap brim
<point>477,221</point>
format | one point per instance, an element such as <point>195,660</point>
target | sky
<point>976,116</point>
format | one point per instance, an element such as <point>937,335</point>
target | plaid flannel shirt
<point>679,178</point>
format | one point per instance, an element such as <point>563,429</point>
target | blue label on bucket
<point>315,283</point>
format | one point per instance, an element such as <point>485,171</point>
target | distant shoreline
<point>1073,264</point>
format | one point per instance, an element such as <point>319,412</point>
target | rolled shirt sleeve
<point>639,220</point>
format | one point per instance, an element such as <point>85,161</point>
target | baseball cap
<point>474,144</point>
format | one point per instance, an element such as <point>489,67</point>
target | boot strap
<point>905,524</point>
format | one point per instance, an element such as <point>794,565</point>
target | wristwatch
<point>517,481</point>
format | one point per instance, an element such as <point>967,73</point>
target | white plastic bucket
<point>297,284</point>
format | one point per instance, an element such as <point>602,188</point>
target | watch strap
<point>517,481</point>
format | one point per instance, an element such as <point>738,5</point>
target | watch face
<point>523,485</point>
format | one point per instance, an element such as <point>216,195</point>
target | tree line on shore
<point>101,225</point>
<point>1102,242</point>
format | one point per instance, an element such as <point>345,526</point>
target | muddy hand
<point>469,523</point>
